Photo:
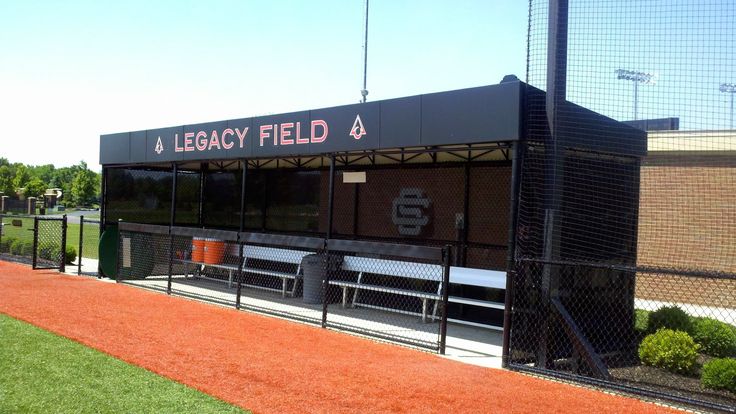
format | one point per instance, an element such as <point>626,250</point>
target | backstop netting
<point>617,240</point>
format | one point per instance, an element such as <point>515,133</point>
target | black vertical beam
<point>463,253</point>
<point>516,163</point>
<point>243,186</point>
<point>446,257</point>
<point>203,168</point>
<point>81,245</point>
<point>34,257</point>
<point>103,212</point>
<point>172,220</point>
<point>264,206</point>
<point>243,179</point>
<point>62,265</point>
<point>554,152</point>
<point>330,197</point>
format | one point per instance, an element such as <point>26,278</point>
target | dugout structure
<point>464,168</point>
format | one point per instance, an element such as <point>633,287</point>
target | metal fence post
<point>62,265</point>
<point>240,273</point>
<point>81,244</point>
<point>446,257</point>
<point>325,283</point>
<point>35,242</point>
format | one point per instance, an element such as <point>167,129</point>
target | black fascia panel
<point>351,128</point>
<point>210,140</point>
<point>401,122</point>
<point>484,114</point>
<point>281,135</point>
<point>115,148</point>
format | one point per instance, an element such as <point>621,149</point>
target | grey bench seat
<point>491,279</point>
<point>268,254</point>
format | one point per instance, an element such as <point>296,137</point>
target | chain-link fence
<point>16,238</point>
<point>392,292</point>
<point>38,241</point>
<point>49,243</point>
<point>625,255</point>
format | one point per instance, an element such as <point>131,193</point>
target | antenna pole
<point>364,91</point>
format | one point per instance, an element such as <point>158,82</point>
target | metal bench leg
<point>283,287</point>
<point>424,310</point>
<point>230,279</point>
<point>344,296</point>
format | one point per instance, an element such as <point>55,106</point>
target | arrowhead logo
<point>159,146</point>
<point>358,130</point>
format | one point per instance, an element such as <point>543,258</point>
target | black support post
<point>172,220</point>
<point>330,196</point>
<point>34,255</point>
<point>242,227</point>
<point>446,257</point>
<point>103,213</point>
<point>81,245</point>
<point>62,264</point>
<point>554,152</point>
<point>516,161</point>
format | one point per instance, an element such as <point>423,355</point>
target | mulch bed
<point>274,366</point>
<point>657,379</point>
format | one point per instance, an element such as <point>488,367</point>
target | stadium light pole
<point>729,88</point>
<point>636,77</point>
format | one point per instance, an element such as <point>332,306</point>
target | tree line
<point>80,186</point>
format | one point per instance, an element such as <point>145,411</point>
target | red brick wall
<point>687,220</point>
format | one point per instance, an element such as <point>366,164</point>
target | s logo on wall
<point>408,212</point>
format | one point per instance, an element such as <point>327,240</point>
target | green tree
<point>22,176</point>
<point>6,180</point>
<point>84,187</point>
<point>35,187</point>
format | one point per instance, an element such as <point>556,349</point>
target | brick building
<point>687,215</point>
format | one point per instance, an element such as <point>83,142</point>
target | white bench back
<point>274,254</point>
<point>398,268</point>
<point>493,279</point>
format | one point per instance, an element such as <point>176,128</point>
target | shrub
<point>5,244</point>
<point>26,249</point>
<point>49,252</point>
<point>71,255</point>
<point>641,320</point>
<point>16,247</point>
<point>719,374</point>
<point>716,338</point>
<point>670,317</point>
<point>675,351</point>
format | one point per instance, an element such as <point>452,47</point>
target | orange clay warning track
<point>274,366</point>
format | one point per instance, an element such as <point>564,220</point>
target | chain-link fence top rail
<point>608,233</point>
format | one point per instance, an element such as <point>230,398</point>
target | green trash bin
<point>108,251</point>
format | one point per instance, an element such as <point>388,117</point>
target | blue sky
<point>70,71</point>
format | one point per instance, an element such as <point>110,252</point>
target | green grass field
<point>89,244</point>
<point>41,373</point>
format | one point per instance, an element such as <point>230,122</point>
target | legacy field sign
<point>484,114</point>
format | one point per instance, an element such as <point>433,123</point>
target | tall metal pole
<point>364,91</point>
<point>556,93</point>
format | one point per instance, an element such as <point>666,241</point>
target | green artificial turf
<point>44,373</point>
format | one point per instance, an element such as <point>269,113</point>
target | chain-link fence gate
<point>49,243</point>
